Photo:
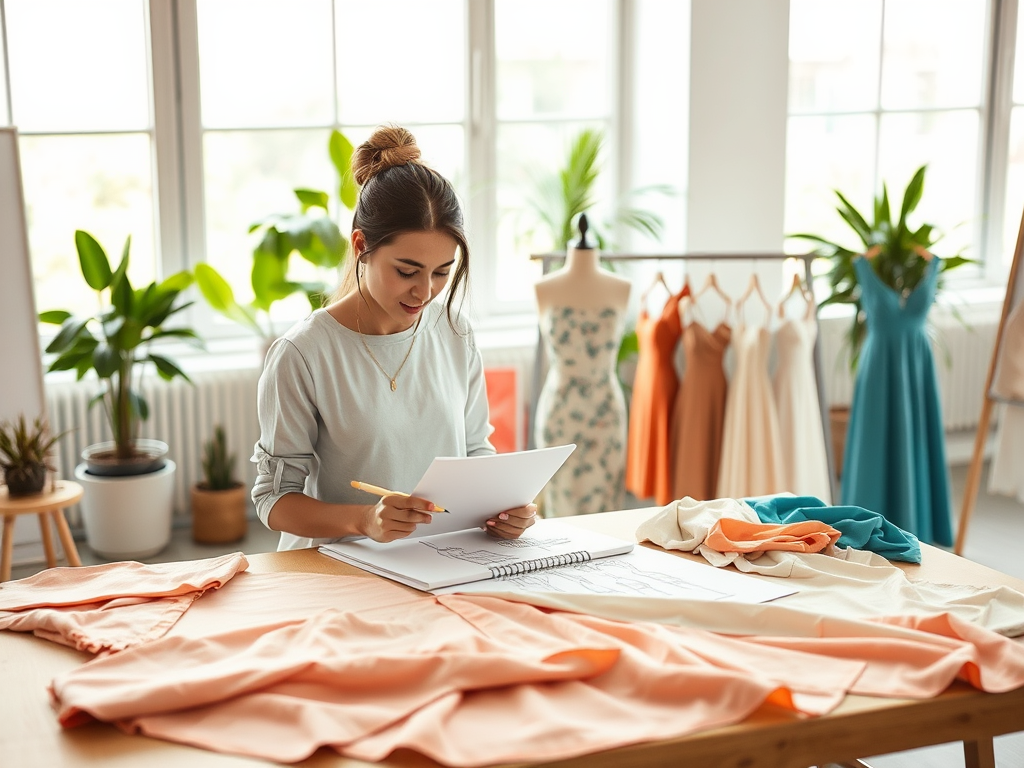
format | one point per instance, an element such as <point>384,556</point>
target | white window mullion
<point>996,115</point>
<point>620,132</point>
<point>481,162</point>
<point>191,135</point>
<point>170,224</point>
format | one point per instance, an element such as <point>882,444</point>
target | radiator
<point>180,414</point>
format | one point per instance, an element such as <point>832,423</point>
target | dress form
<point>582,311</point>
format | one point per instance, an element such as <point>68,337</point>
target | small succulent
<point>218,464</point>
<point>25,454</point>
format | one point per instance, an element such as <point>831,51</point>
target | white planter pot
<point>127,518</point>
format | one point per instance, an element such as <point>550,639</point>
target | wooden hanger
<point>711,283</point>
<point>797,286</point>
<point>659,279</point>
<point>754,288</point>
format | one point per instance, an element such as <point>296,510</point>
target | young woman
<point>382,380</point>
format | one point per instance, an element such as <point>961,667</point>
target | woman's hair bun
<point>389,145</point>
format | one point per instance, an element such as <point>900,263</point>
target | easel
<point>1014,286</point>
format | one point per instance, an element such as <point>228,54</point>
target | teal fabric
<point>895,461</point>
<point>860,528</point>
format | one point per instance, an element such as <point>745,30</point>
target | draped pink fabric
<point>396,669</point>
<point>113,606</point>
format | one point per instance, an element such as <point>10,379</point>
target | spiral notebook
<point>462,557</point>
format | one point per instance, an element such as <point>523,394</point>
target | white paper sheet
<point>476,488</point>
<point>643,572</point>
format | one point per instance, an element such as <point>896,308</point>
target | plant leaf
<point>93,261</point>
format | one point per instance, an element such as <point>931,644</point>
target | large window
<point>878,88</point>
<point>182,124</point>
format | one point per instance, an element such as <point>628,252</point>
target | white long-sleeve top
<point>328,415</point>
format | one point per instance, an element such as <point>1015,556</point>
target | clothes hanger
<point>754,288</point>
<point>797,286</point>
<point>659,279</point>
<point>711,283</point>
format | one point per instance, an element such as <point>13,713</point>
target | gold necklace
<point>389,377</point>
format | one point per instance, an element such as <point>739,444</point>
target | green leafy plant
<point>25,453</point>
<point>896,251</point>
<point>561,196</point>
<point>310,232</point>
<point>115,342</point>
<point>218,464</point>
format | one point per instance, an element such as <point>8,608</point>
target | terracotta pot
<point>839,420</point>
<point>219,517</point>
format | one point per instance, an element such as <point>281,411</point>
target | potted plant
<point>128,480</point>
<point>219,501</point>
<point>311,233</point>
<point>25,454</point>
<point>895,249</point>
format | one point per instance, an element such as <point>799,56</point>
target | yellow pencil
<point>385,492</point>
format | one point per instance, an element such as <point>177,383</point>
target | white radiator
<point>180,414</point>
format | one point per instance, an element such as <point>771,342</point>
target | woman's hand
<point>511,523</point>
<point>395,517</point>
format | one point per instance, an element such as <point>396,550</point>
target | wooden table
<point>771,738</point>
<point>48,505</point>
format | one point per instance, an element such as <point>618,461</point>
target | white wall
<point>739,70</point>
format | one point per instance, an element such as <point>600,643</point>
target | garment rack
<point>547,260</point>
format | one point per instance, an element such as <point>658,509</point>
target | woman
<point>383,379</point>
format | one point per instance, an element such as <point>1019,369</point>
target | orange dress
<point>648,454</point>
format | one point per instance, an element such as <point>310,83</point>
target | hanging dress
<point>794,386</point>
<point>698,416</point>
<point>895,458</point>
<point>581,402</point>
<point>751,446</point>
<point>648,459</point>
<point>1004,474</point>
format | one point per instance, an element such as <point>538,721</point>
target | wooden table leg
<point>979,754</point>
<point>70,550</point>
<point>8,548</point>
<point>44,527</point>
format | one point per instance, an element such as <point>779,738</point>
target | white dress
<point>751,446</point>
<point>581,402</point>
<point>1006,474</point>
<point>804,463</point>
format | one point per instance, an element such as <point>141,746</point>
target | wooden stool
<point>48,504</point>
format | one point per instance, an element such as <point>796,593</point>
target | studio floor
<point>996,530</point>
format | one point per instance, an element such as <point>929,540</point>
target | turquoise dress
<point>895,462</point>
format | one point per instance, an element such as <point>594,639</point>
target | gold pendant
<point>394,387</point>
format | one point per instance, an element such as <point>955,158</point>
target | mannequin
<point>582,312</point>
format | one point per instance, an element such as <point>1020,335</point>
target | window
<point>878,88</point>
<point>79,95</point>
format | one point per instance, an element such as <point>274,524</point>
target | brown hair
<point>398,193</point>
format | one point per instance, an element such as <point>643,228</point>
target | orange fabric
<point>698,417</point>
<point>503,403</point>
<point>655,383</point>
<point>731,535</point>
<point>113,606</point>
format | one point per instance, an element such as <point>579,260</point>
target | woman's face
<point>402,277</point>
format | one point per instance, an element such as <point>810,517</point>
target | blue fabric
<point>860,528</point>
<point>895,460</point>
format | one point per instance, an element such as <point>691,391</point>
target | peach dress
<point>648,453</point>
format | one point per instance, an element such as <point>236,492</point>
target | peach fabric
<point>113,606</point>
<point>434,675</point>
<point>731,535</point>
<point>655,383</point>
<point>698,417</point>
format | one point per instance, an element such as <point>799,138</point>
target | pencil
<point>385,492</point>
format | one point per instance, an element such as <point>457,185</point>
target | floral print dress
<point>581,402</point>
